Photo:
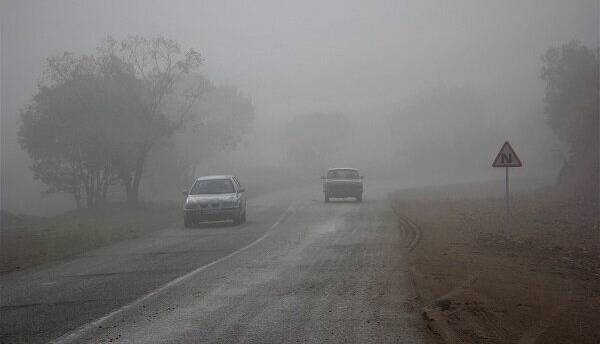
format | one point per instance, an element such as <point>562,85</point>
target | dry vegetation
<point>540,285</point>
<point>29,241</point>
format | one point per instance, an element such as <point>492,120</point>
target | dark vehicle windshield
<point>212,186</point>
<point>342,174</point>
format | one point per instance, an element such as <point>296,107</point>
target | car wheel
<point>237,220</point>
<point>326,198</point>
<point>187,222</point>
<point>359,198</point>
<point>244,217</point>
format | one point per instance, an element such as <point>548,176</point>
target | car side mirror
<point>242,189</point>
<point>185,193</point>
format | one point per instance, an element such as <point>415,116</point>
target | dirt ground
<point>539,283</point>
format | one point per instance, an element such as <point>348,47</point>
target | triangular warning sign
<point>507,157</point>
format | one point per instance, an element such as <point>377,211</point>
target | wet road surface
<point>300,270</point>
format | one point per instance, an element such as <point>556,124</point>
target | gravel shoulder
<point>475,285</point>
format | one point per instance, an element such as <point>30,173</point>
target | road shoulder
<point>475,285</point>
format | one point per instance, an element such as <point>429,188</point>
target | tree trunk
<point>132,196</point>
<point>89,193</point>
<point>133,191</point>
<point>89,199</point>
<point>76,191</point>
<point>105,185</point>
<point>77,200</point>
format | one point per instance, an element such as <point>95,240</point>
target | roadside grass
<point>541,284</point>
<point>26,241</point>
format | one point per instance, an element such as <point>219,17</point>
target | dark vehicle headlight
<point>191,205</point>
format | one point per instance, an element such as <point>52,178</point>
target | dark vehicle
<point>342,183</point>
<point>215,198</point>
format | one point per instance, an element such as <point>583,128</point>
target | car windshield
<point>212,186</point>
<point>342,174</point>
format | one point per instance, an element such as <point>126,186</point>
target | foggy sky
<point>356,57</point>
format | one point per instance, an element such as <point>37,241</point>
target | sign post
<point>507,157</point>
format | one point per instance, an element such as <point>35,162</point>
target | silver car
<point>215,198</point>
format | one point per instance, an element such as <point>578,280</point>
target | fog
<point>416,92</point>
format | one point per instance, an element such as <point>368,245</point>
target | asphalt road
<point>300,270</point>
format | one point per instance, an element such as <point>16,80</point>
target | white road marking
<point>79,332</point>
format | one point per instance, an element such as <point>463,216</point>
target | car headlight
<point>192,205</point>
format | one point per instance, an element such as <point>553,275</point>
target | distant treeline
<point>571,104</point>
<point>453,131</point>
